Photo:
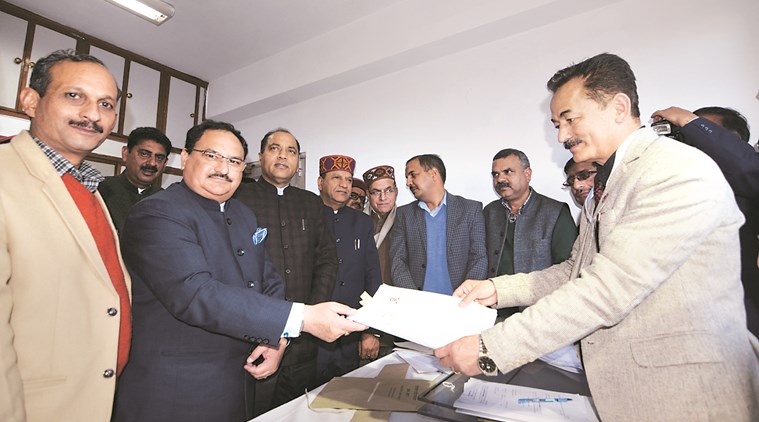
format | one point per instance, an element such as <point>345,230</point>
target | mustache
<point>501,185</point>
<point>87,124</point>
<point>221,175</point>
<point>570,143</point>
<point>148,167</point>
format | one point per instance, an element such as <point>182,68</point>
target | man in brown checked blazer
<point>652,290</point>
<point>64,292</point>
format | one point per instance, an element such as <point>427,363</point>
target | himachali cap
<point>336,162</point>
<point>379,172</point>
<point>358,183</point>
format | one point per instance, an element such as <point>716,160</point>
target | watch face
<point>487,365</point>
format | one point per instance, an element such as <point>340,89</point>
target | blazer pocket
<point>43,383</point>
<point>676,349</point>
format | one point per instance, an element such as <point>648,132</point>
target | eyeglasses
<point>356,196</point>
<point>211,155</point>
<point>581,175</point>
<point>145,155</point>
<point>377,193</point>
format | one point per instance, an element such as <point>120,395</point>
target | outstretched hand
<point>327,321</point>
<point>480,291</point>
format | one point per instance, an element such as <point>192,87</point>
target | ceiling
<point>208,39</point>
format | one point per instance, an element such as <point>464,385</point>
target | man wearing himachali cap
<point>358,264</point>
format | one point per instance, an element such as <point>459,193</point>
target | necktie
<point>598,189</point>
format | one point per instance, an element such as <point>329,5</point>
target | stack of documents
<point>430,319</point>
<point>506,402</point>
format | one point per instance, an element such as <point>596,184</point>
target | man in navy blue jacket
<point>723,134</point>
<point>205,293</point>
<point>358,267</point>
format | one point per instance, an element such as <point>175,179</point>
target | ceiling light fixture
<point>155,11</point>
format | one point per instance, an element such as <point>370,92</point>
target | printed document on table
<point>508,402</point>
<point>429,319</point>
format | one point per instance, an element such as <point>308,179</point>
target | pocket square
<point>259,236</point>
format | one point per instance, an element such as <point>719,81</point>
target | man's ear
<point>124,153</point>
<point>184,155</point>
<point>29,99</point>
<point>622,107</point>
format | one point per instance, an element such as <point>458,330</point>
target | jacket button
<point>287,271</point>
<point>337,240</point>
<point>424,265</point>
<point>342,283</point>
<point>251,284</point>
<point>283,223</point>
<point>240,252</point>
<point>266,341</point>
<point>337,220</point>
<point>495,252</point>
<point>108,373</point>
<point>285,246</point>
<point>113,311</point>
<point>229,221</point>
<point>340,261</point>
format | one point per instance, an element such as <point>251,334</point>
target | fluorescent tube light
<point>155,11</point>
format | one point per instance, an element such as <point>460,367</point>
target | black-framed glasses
<point>387,191</point>
<point>358,197</point>
<point>581,175</point>
<point>211,155</point>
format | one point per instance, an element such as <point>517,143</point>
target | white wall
<point>468,105</point>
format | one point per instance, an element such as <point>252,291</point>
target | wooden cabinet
<point>12,36</point>
<point>182,112</point>
<point>153,94</point>
<point>141,97</point>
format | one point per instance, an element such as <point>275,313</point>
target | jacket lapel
<point>52,186</point>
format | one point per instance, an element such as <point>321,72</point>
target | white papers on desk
<point>430,319</point>
<point>501,402</point>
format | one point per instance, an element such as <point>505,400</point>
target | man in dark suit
<point>205,293</point>
<point>723,134</point>
<point>358,264</point>
<point>437,241</point>
<point>303,252</point>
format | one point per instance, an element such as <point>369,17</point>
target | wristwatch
<point>486,363</point>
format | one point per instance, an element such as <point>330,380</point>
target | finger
<point>341,309</point>
<point>258,351</point>
<point>466,300</point>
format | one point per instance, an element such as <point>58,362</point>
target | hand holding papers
<point>426,318</point>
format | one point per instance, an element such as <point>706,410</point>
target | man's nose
<point>90,111</point>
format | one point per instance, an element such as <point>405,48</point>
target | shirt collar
<point>87,175</point>
<point>434,212</point>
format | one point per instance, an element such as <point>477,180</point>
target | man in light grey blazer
<point>652,290</point>
<point>437,241</point>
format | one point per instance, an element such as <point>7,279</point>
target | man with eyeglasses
<point>358,269</point>
<point>357,199</point>
<point>145,156</point>
<point>383,193</point>
<point>303,252</point>
<point>208,301</point>
<point>580,177</point>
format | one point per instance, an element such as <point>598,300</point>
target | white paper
<point>501,402</point>
<point>421,362</point>
<point>430,319</point>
